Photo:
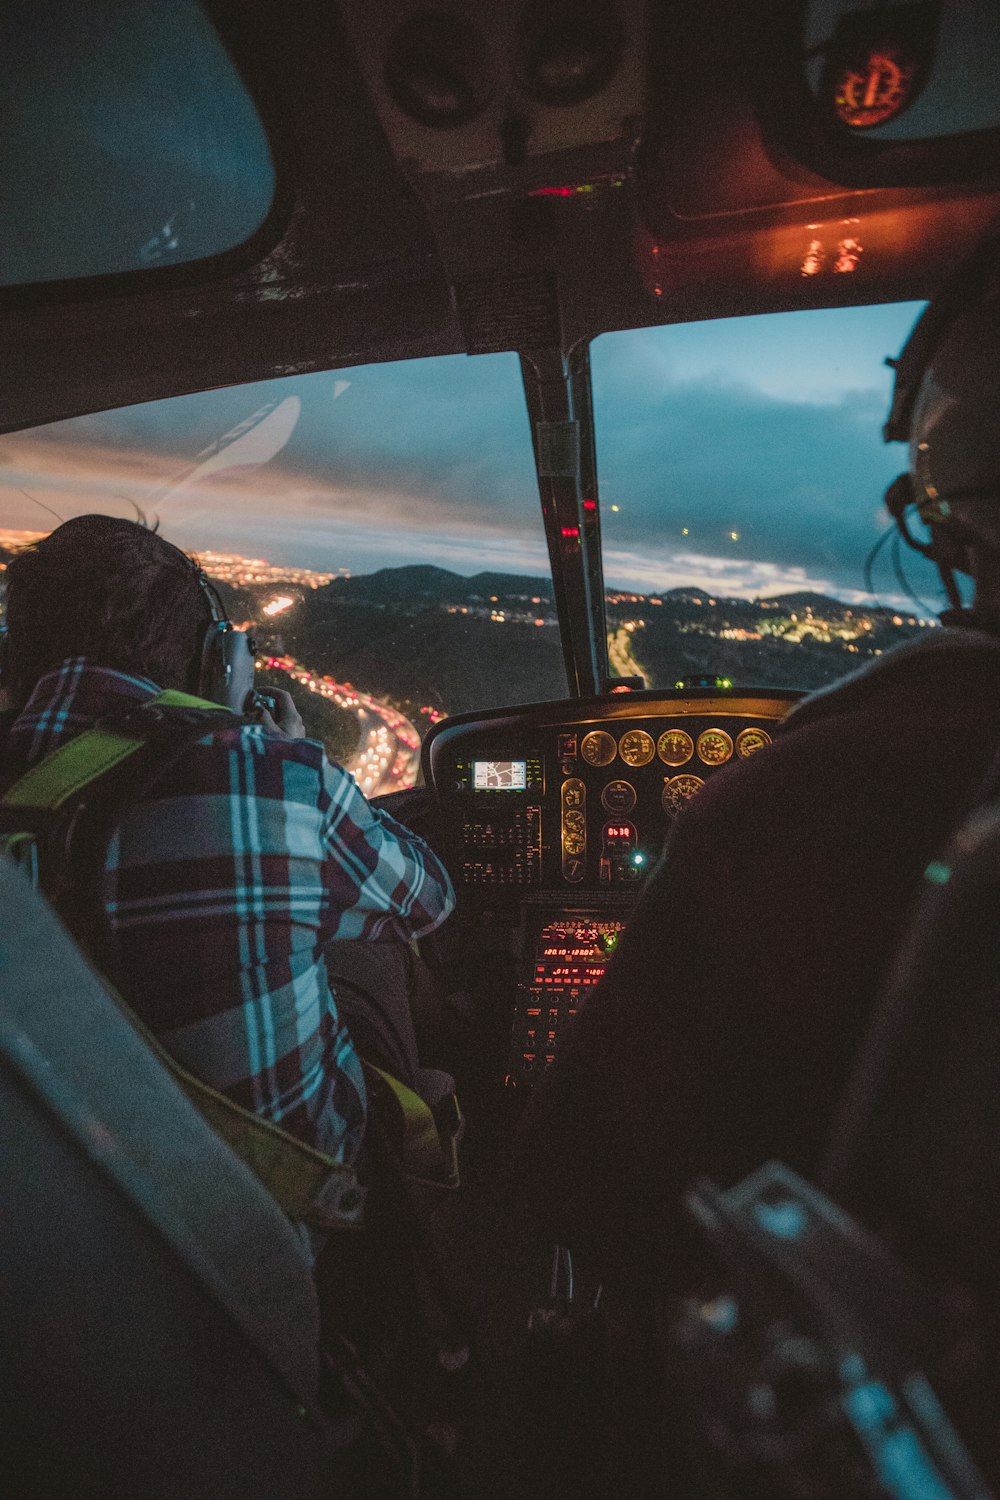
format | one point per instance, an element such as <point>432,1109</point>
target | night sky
<point>766,427</point>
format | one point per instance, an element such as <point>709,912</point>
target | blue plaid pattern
<point>222,886</point>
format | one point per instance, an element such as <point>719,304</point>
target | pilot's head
<point>111,590</point>
<point>946,405</point>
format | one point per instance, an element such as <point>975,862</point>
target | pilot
<point>245,858</point>
<point>723,1031</point>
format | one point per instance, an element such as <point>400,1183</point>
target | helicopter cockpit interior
<point>513,370</point>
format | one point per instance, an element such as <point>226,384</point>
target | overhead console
<point>575,798</point>
<point>552,817</point>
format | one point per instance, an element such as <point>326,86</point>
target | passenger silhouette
<point>234,867</point>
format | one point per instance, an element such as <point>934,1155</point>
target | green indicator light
<point>727,682</point>
<point>937,873</point>
<point>638,859</point>
<point>610,942</point>
<point>679,684</point>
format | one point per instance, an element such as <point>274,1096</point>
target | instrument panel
<point>578,796</point>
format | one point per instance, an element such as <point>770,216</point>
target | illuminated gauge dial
<point>674,747</point>
<point>574,821</point>
<point>636,748</point>
<point>714,747</point>
<point>750,741</point>
<point>618,797</point>
<point>598,748</point>
<point>678,790</point>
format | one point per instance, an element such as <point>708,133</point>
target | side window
<point>129,140</point>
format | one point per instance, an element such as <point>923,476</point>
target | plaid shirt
<point>223,884</point>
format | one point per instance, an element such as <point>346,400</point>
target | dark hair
<point>108,589</point>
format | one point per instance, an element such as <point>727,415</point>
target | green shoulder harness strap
<point>307,1184</point>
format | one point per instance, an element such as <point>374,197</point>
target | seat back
<point>915,1149</point>
<point>158,1323</point>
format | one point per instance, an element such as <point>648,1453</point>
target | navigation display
<point>499,775</point>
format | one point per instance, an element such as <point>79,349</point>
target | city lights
<point>278,605</point>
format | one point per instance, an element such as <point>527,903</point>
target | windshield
<point>741,470</point>
<point>380,526</point>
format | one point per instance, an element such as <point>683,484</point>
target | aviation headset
<point>946,405</point>
<point>225,655</point>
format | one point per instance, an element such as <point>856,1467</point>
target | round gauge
<point>619,797</point>
<point>636,748</point>
<point>598,748</point>
<point>750,741</point>
<point>677,791</point>
<point>674,747</point>
<point>714,747</point>
<point>573,821</point>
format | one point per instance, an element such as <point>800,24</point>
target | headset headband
<point>965,288</point>
<point>216,608</point>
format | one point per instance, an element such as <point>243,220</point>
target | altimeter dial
<point>678,790</point>
<point>675,747</point>
<point>619,797</point>
<point>714,747</point>
<point>750,741</point>
<point>636,747</point>
<point>598,748</point>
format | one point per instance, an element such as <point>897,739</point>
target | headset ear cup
<point>227,666</point>
<point>213,676</point>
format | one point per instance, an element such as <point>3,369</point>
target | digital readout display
<point>615,832</point>
<point>499,775</point>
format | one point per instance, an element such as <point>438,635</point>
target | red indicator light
<point>571,531</point>
<point>590,505</point>
<point>553,192</point>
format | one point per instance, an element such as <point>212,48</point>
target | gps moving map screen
<point>499,775</point>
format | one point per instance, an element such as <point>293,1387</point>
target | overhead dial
<point>598,748</point>
<point>750,741</point>
<point>675,747</point>
<point>714,747</point>
<point>678,790</point>
<point>636,747</point>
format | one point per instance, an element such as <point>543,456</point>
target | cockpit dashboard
<point>576,797</point>
<point>552,816</point>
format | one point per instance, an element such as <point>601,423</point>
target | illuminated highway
<point>621,655</point>
<point>388,755</point>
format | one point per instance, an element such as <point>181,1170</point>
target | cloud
<point>798,483</point>
<point>657,570</point>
